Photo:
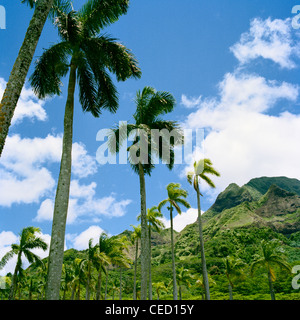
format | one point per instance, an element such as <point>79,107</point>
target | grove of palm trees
<point>245,246</point>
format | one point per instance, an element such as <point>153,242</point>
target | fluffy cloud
<point>242,140</point>
<point>7,238</point>
<point>28,105</point>
<point>80,242</point>
<point>180,221</point>
<point>24,167</point>
<point>269,39</point>
<point>84,204</point>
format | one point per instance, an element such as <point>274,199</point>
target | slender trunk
<point>144,235</point>
<point>203,260</point>
<point>271,285</point>
<point>87,291</point>
<point>15,277</point>
<point>175,297</point>
<point>56,252</point>
<point>135,268</point>
<point>150,277</point>
<point>230,291</point>
<point>98,291</point>
<point>120,293</point>
<point>106,280</point>
<point>21,66</point>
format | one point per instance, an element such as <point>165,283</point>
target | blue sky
<point>233,68</point>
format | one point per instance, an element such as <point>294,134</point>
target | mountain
<point>266,202</point>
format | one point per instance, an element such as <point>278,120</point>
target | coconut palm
<point>202,169</point>
<point>136,235</point>
<point>159,287</point>
<point>157,225</point>
<point>271,257</point>
<point>89,58</point>
<point>28,241</point>
<point>89,262</point>
<point>199,283</point>
<point>105,247</point>
<point>78,278</point>
<point>233,270</point>
<point>21,66</point>
<point>151,105</point>
<point>183,278</point>
<point>176,197</point>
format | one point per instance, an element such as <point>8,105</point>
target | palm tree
<point>176,196</point>
<point>159,286</point>
<point>21,66</point>
<point>270,257</point>
<point>28,241</point>
<point>199,283</point>
<point>157,225</point>
<point>78,278</point>
<point>136,235</point>
<point>105,247</point>
<point>202,168</point>
<point>151,105</point>
<point>88,57</point>
<point>183,277</point>
<point>233,270</point>
<point>89,262</point>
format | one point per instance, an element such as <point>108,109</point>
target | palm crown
<point>150,106</point>
<point>92,55</point>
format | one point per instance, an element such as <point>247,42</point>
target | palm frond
<point>6,258</point>
<point>97,14</point>
<point>49,69</point>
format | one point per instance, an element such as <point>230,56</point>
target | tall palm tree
<point>78,278</point>
<point>21,66</point>
<point>159,286</point>
<point>89,262</point>
<point>202,169</point>
<point>105,247</point>
<point>157,225</point>
<point>270,257</point>
<point>88,57</point>
<point>28,241</point>
<point>135,237</point>
<point>176,197</point>
<point>151,105</point>
<point>183,277</point>
<point>233,270</point>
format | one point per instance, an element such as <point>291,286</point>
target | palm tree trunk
<point>56,252</point>
<point>203,260</point>
<point>144,235</point>
<point>21,66</point>
<point>230,291</point>
<point>135,268</point>
<point>271,285</point>
<point>175,297</point>
<point>150,278</point>
<point>120,293</point>
<point>14,277</point>
<point>87,291</point>
<point>106,280</point>
<point>98,292</point>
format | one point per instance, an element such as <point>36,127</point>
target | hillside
<point>241,217</point>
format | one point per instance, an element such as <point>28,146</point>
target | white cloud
<point>190,102</point>
<point>180,221</point>
<point>84,204</point>
<point>7,238</point>
<point>80,242</point>
<point>243,141</point>
<point>269,39</point>
<point>24,167</point>
<point>28,105</point>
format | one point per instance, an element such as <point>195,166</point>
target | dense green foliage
<point>229,234</point>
